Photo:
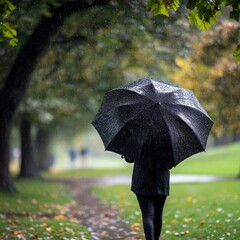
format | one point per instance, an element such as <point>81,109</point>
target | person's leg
<point>159,201</point>
<point>146,204</point>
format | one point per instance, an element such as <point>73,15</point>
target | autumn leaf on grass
<point>15,233</point>
<point>48,229</point>
<point>69,230</point>
<point>174,221</point>
<point>177,234</point>
<point>187,220</point>
<point>168,232</point>
<point>188,199</point>
<point>74,220</point>
<point>44,224</point>
<point>202,222</point>
<point>34,201</point>
<point>60,217</point>
<point>18,234</point>
<point>135,227</point>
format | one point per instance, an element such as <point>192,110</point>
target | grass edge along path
<point>193,210</point>
<point>40,210</point>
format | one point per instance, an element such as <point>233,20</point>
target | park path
<point>102,220</point>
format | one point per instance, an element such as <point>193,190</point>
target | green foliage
<point>202,13</point>
<point>162,6</point>
<point>6,30</point>
<point>237,54</point>
<point>203,24</point>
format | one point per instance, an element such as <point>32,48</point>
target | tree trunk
<point>6,183</point>
<point>18,79</point>
<point>28,167</point>
<point>42,149</point>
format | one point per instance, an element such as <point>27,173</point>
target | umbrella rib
<point>130,90</point>
<point>132,118</point>
<point>197,109</point>
<point>192,130</point>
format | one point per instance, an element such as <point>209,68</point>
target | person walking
<point>150,183</point>
<point>156,125</point>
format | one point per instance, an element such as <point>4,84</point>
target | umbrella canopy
<point>149,114</point>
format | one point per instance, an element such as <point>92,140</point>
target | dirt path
<point>102,221</point>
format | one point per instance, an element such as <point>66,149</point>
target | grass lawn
<point>224,160</point>
<point>39,211</point>
<point>193,211</point>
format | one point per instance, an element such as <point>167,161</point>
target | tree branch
<point>18,79</point>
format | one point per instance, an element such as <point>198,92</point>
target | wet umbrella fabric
<point>161,118</point>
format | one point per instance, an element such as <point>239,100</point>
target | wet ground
<point>174,178</point>
<point>102,220</point>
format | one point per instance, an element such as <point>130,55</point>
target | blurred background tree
<point>214,76</point>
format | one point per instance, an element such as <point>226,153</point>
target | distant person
<point>16,153</point>
<point>51,160</point>
<point>84,152</point>
<point>73,156</point>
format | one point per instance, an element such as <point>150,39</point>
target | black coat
<point>151,176</point>
<point>150,179</point>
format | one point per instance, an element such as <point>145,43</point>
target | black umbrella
<point>154,115</point>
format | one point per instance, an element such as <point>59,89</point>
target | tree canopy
<point>202,13</point>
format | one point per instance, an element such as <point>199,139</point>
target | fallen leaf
<point>202,222</point>
<point>174,221</point>
<point>48,229</point>
<point>34,201</point>
<point>74,220</point>
<point>135,226</point>
<point>187,220</point>
<point>60,217</point>
<point>189,199</point>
